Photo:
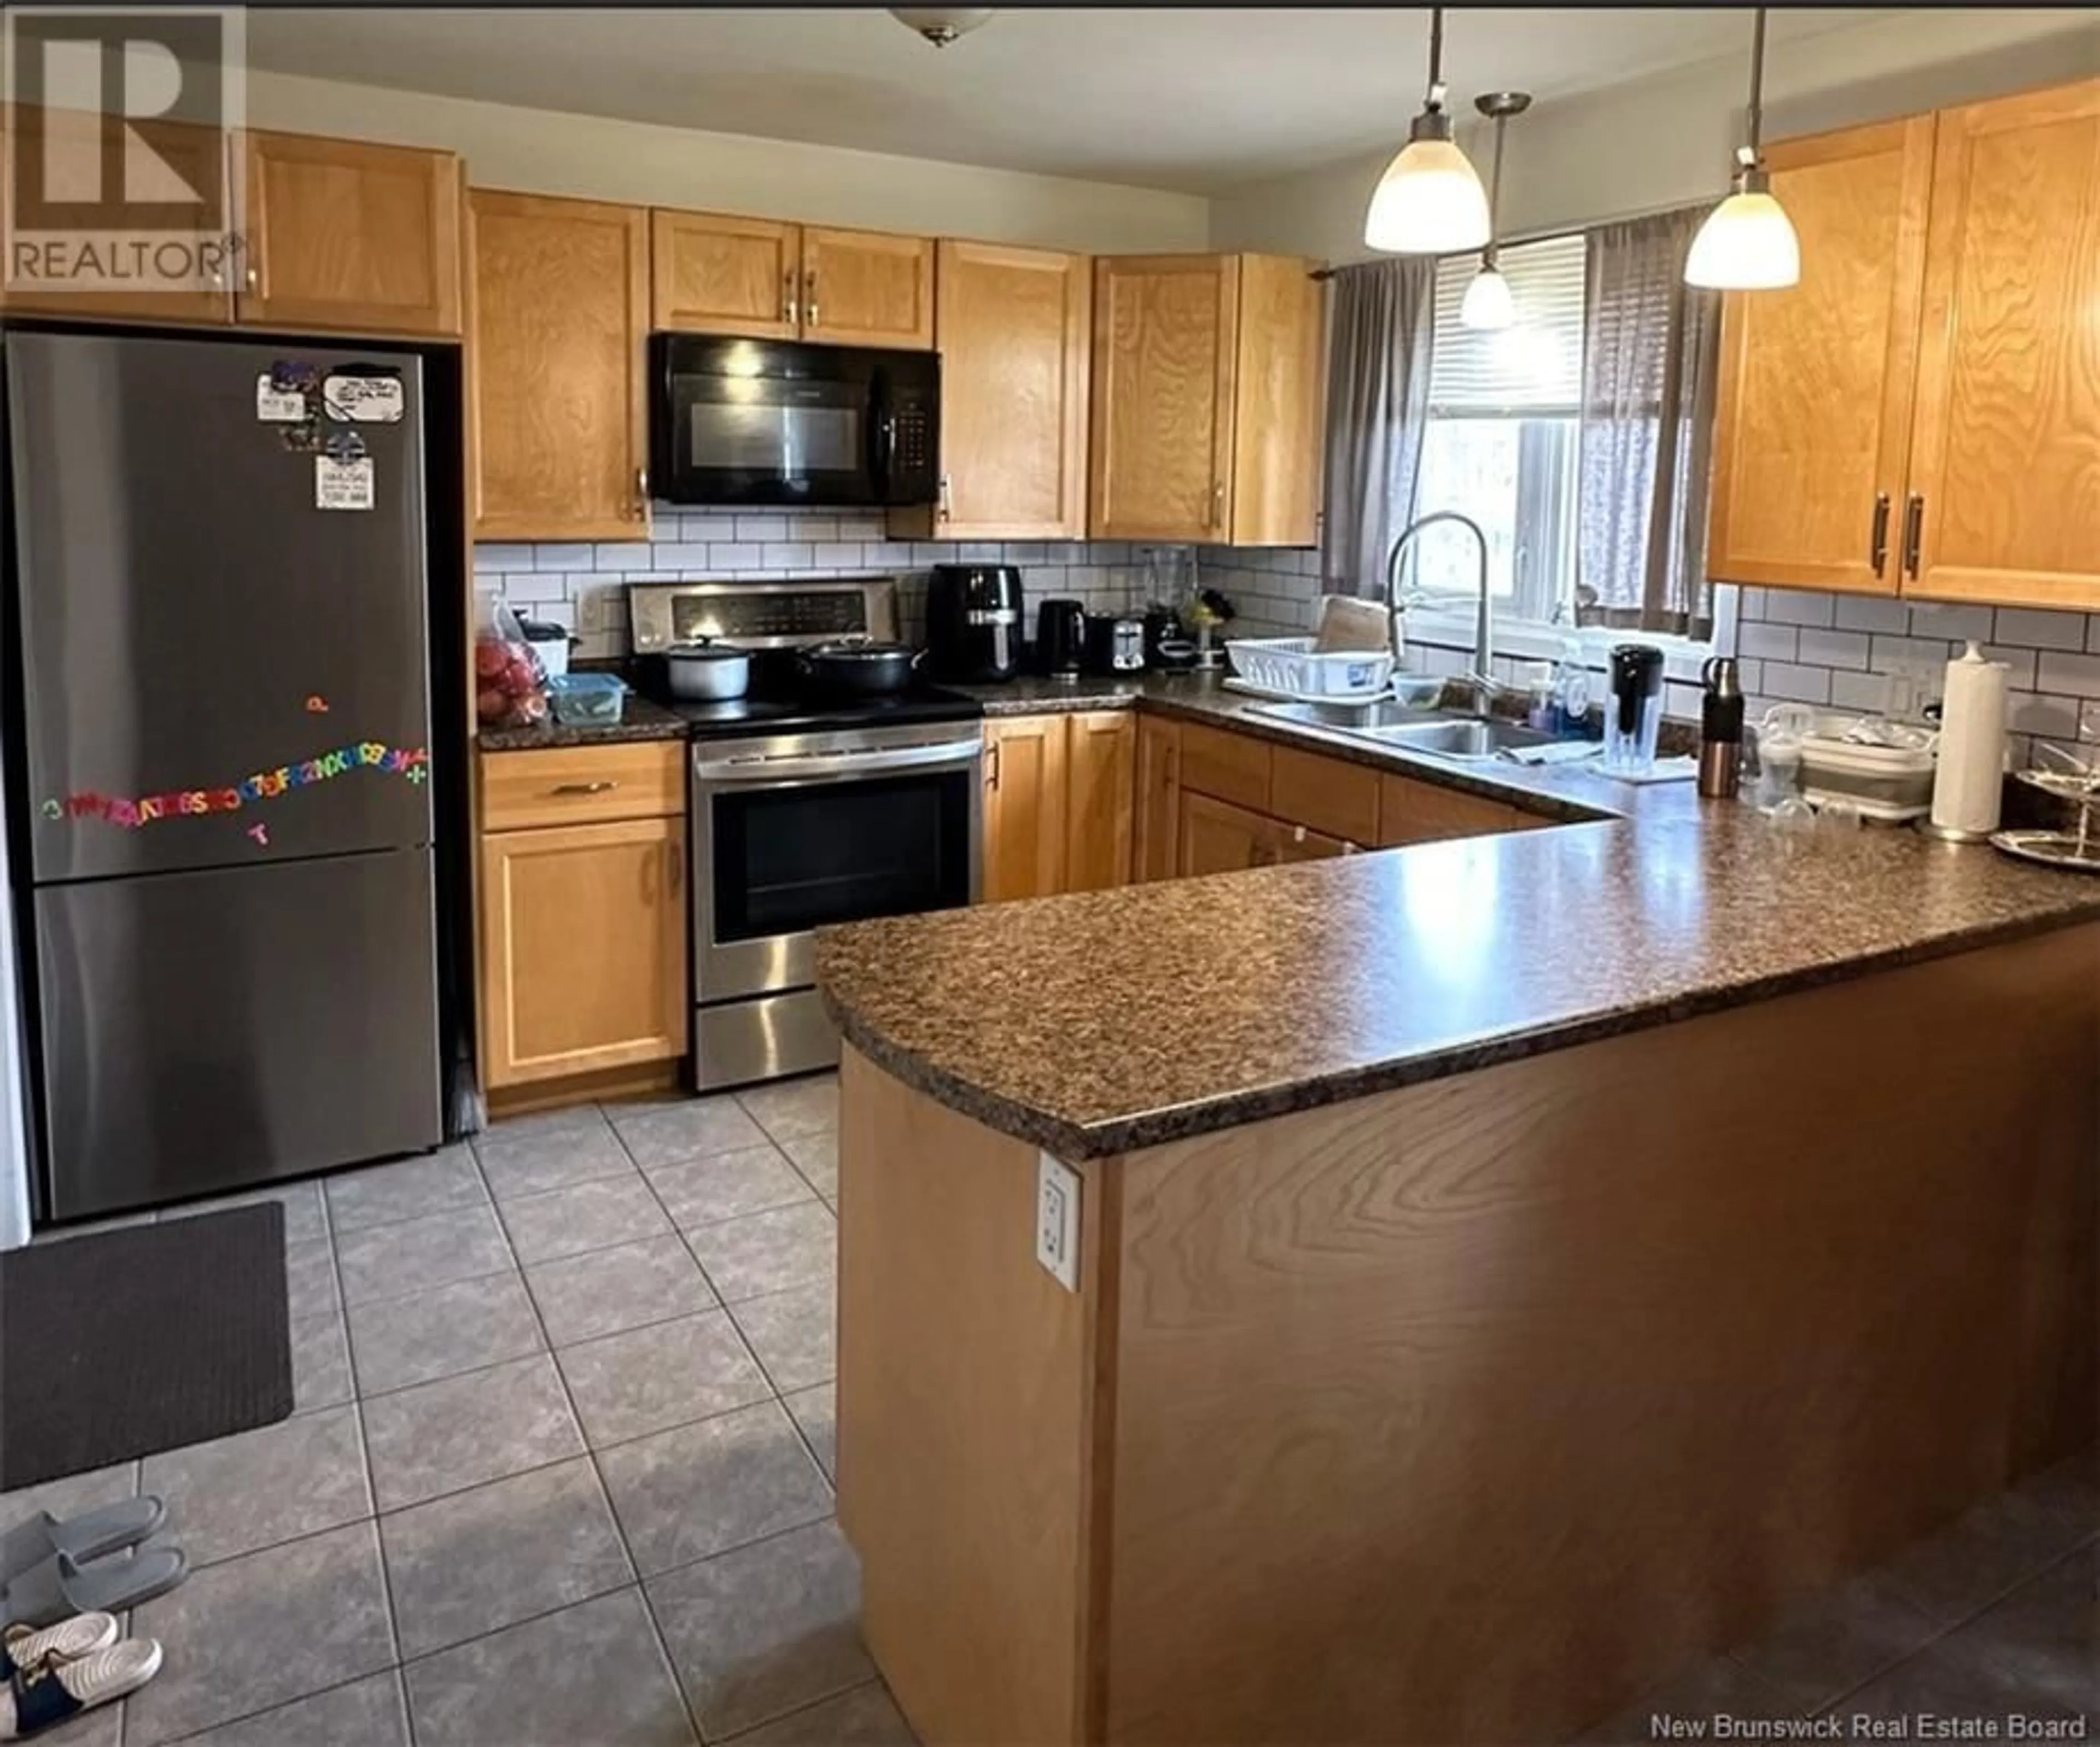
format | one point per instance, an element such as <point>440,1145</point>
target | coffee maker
<point>973,622</point>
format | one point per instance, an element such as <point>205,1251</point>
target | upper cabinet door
<point>2005,464</point>
<point>713,274</point>
<point>560,315</point>
<point>1275,487</point>
<point>867,288</point>
<point>348,236</point>
<point>192,155</point>
<point>1165,345</point>
<point>1014,331</point>
<point>1812,423</point>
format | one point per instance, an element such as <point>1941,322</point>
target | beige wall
<point>545,152</point>
<point>1666,140</point>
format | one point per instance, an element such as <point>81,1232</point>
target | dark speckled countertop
<point>1104,1021</point>
<point>640,720</point>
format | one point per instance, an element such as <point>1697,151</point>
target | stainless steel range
<point>807,810</point>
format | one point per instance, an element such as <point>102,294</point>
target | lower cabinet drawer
<point>1233,767</point>
<point>1412,812</point>
<point>1329,794</point>
<point>582,785</point>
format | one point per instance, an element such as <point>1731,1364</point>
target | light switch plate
<point>1057,1219</point>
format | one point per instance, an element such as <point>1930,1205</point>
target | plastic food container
<point>1294,666</point>
<point>1842,765</point>
<point>586,700</point>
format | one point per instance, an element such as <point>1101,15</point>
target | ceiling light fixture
<point>1747,243</point>
<point>941,25</point>
<point>1488,304</point>
<point>1429,201</point>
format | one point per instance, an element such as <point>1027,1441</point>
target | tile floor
<point>559,1474</point>
<point>560,1469</point>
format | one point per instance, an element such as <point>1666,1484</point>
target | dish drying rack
<point>2068,774</point>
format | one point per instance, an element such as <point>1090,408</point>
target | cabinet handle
<point>675,864</point>
<point>991,765</point>
<point>1217,514</point>
<point>943,512</point>
<point>1877,543</point>
<point>1913,533</point>
<point>789,308</point>
<point>583,788</point>
<point>810,296</point>
<point>642,512</point>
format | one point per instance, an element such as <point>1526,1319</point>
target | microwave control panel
<point>915,441</point>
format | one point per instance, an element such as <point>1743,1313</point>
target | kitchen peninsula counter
<point>1500,1272</point>
<point>1097,1023</point>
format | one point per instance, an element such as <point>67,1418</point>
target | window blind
<point>1534,367</point>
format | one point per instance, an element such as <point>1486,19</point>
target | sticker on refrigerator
<point>342,484</point>
<point>290,377</point>
<point>364,397</point>
<point>278,405</point>
<point>301,439</point>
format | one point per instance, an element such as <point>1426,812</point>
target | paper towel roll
<point>1972,745</point>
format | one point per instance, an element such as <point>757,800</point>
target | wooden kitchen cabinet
<point>1413,811</point>
<point>1218,837</point>
<point>867,288</point>
<point>2006,449</point>
<point>560,316</point>
<point>1205,399</point>
<point>1934,360</point>
<point>1013,329</point>
<point>1024,808</point>
<point>712,273</point>
<point>1156,821</point>
<point>345,235</point>
<point>1812,420</point>
<point>583,960</point>
<point>1101,756</point>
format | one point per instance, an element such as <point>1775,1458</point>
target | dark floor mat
<point>123,1342</point>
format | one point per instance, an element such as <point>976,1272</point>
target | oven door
<point>793,832</point>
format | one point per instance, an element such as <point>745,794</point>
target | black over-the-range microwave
<point>775,421</point>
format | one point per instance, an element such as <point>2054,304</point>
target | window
<point>1501,442</point>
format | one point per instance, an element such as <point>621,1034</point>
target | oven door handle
<point>818,765</point>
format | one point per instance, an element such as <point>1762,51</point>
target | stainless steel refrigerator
<point>219,573</point>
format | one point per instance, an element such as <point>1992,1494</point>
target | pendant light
<point>1429,201</point>
<point>1747,243</point>
<point>1489,305</point>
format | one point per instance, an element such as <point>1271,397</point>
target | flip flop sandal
<point>88,1536</point>
<point>32,1702</point>
<point>23,1650</point>
<point>59,1587</point>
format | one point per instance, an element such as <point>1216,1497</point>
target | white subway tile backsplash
<point>501,558</point>
<point>836,554</point>
<point>1775,643</point>
<point>551,556</point>
<point>1790,607</point>
<point>680,555</point>
<point>2036,713</point>
<point>618,555</point>
<point>1866,692</point>
<point>532,586</point>
<point>2019,665</point>
<point>1931,619</point>
<point>788,554</point>
<point>1799,685</point>
<point>1891,653</point>
<point>1866,612</point>
<point>2077,674</point>
<point>761,529</point>
<point>1834,648</point>
<point>2036,629</point>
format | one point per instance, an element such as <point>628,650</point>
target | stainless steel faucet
<point>1484,687</point>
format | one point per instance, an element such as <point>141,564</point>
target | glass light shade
<point>1428,202</point>
<point>1747,244</point>
<point>1488,304</point>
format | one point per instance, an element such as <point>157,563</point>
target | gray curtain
<point>1650,352</point>
<point>1384,319</point>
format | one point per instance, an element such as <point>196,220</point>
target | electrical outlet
<point>594,609</point>
<point>1058,1220</point>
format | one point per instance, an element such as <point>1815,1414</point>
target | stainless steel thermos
<point>1720,728</point>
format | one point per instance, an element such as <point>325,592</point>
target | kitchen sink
<point>1378,713</point>
<point>1392,724</point>
<point>1462,737</point>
